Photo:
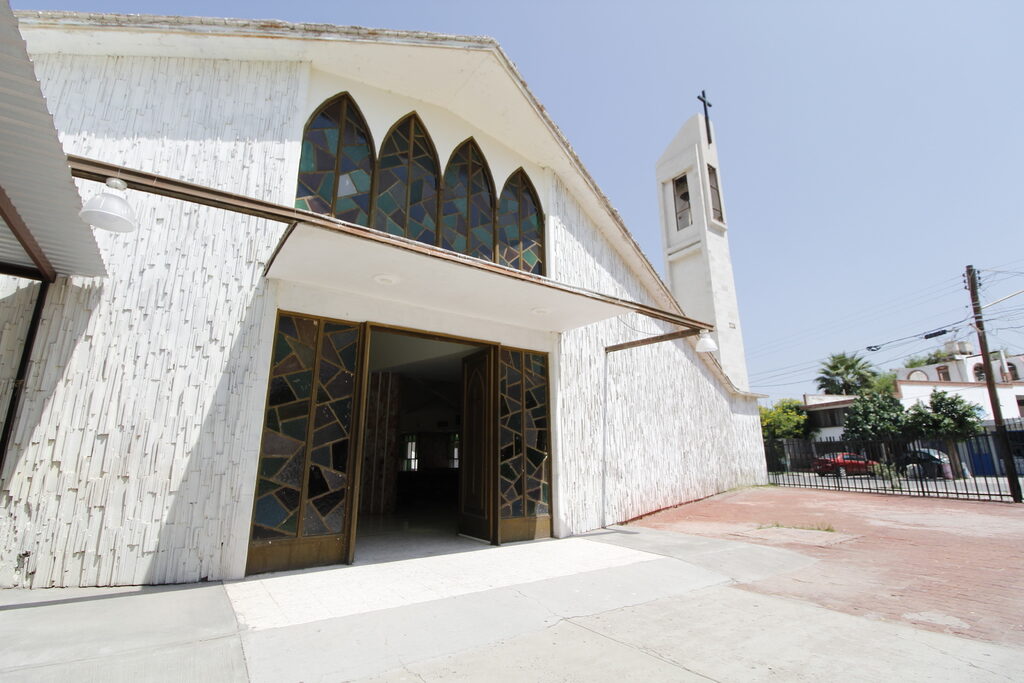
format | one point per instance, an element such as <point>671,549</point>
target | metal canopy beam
<point>12,218</point>
<point>678,334</point>
<point>99,171</point>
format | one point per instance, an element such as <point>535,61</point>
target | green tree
<point>884,383</point>
<point>845,374</point>
<point>784,420</point>
<point>931,358</point>
<point>875,416</point>
<point>948,417</point>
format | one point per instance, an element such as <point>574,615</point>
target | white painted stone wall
<point>672,433</point>
<point>134,458</point>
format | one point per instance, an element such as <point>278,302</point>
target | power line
<point>907,301</point>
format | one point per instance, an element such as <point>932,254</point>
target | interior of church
<point>409,491</point>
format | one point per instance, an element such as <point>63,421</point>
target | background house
<point>963,374</point>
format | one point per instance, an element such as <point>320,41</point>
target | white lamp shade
<point>109,211</point>
<point>706,343</point>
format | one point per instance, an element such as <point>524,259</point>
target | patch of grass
<point>816,527</point>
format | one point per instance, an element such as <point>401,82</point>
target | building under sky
<point>372,288</point>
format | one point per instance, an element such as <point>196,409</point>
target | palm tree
<point>845,374</point>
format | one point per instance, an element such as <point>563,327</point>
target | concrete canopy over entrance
<point>326,258</point>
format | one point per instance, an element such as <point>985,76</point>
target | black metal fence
<point>968,469</point>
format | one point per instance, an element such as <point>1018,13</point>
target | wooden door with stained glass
<point>524,462</point>
<point>303,509</point>
<point>477,462</point>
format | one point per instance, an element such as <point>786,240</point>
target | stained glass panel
<point>336,167</point>
<point>303,483</point>
<point>467,213</point>
<point>535,430</point>
<point>283,450</point>
<point>327,475</point>
<point>524,470</point>
<point>407,184</point>
<point>520,232</point>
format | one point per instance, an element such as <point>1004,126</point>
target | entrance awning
<point>329,253</point>
<point>323,257</point>
<point>41,234</point>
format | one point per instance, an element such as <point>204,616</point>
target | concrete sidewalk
<point>623,604</point>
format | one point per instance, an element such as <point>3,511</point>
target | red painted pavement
<point>945,565</point>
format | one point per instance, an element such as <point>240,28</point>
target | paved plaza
<point>752,585</point>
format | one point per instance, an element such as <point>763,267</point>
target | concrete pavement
<point>622,604</point>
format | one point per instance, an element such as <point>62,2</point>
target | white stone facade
<point>135,451</point>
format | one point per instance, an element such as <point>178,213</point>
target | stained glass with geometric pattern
<point>510,434</point>
<point>524,474</point>
<point>535,433</point>
<point>327,476</point>
<point>520,226</point>
<point>303,471</point>
<point>467,205</point>
<point>407,183</point>
<point>283,450</point>
<point>336,166</point>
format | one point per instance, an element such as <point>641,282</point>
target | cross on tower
<point>707,120</point>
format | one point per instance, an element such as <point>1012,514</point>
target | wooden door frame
<point>358,436</point>
<point>491,465</point>
<point>494,460</point>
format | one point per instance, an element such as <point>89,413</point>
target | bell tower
<point>695,238</point>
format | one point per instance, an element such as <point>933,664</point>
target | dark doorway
<point>425,397</point>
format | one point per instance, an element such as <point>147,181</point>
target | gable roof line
<point>284,29</point>
<point>647,275</point>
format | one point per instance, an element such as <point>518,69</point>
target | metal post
<point>1002,440</point>
<point>604,441</point>
<point>19,378</point>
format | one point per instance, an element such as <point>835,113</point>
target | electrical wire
<point>911,300</point>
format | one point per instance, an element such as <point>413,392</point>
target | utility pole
<point>1002,439</point>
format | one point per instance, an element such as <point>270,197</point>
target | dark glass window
<point>407,180</point>
<point>336,167</point>
<point>520,226</point>
<point>943,372</point>
<point>1014,376</point>
<point>979,372</point>
<point>716,197</point>
<point>402,192</point>
<point>467,207</point>
<point>682,198</point>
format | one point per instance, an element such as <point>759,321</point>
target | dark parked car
<point>923,463</point>
<point>842,464</point>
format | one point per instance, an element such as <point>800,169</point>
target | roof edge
<point>265,27</point>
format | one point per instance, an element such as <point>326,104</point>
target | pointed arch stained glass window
<point>467,206</point>
<point>520,226</point>
<point>336,167</point>
<point>407,183</point>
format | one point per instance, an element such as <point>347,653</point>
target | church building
<point>356,279</point>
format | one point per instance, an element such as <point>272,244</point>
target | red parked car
<point>842,464</point>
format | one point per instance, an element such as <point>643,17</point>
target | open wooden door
<point>304,512</point>
<point>477,462</point>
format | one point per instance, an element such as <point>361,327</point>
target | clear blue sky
<point>869,150</point>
